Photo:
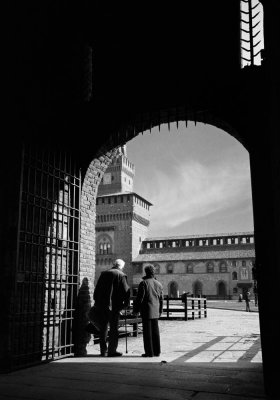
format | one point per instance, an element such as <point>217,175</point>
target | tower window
<point>105,246</point>
<point>189,269</point>
<point>169,269</point>
<point>223,267</point>
<point>210,268</point>
<point>234,276</point>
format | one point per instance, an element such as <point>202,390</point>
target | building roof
<point>123,194</point>
<point>201,236</point>
<point>197,255</point>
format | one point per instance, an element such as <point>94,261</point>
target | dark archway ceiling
<point>150,55</point>
<point>147,56</point>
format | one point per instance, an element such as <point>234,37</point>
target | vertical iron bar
<point>48,227</point>
<point>251,31</point>
<point>51,252</point>
<point>15,310</point>
<point>56,223</point>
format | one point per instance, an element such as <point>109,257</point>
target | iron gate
<point>47,275</point>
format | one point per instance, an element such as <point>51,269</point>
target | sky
<point>197,178</point>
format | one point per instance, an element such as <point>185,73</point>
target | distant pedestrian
<point>256,299</point>
<point>240,298</point>
<point>149,302</point>
<point>247,300</point>
<point>111,295</point>
<point>256,295</point>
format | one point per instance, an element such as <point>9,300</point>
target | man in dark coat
<point>149,302</point>
<point>111,295</point>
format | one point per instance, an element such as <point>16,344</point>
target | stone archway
<point>91,180</point>
<point>221,289</point>
<point>197,289</point>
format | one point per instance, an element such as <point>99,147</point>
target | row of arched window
<point>189,269</point>
<point>232,240</point>
<point>173,289</point>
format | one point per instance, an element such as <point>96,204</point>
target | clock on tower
<point>107,178</point>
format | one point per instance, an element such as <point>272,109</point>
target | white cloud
<point>194,190</point>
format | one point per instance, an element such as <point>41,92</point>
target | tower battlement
<point>118,176</point>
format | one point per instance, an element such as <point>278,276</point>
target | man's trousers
<point>151,337</point>
<point>113,322</point>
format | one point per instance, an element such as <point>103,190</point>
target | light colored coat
<point>149,300</point>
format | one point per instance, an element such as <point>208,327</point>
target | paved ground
<point>217,358</point>
<point>232,305</point>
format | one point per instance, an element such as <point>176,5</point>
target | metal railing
<point>185,307</point>
<point>251,32</point>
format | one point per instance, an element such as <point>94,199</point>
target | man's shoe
<point>157,355</point>
<point>146,355</point>
<point>116,354</point>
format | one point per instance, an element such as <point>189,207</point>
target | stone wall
<point>209,281</point>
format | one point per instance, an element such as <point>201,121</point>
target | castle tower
<point>122,216</point>
<point>119,176</point>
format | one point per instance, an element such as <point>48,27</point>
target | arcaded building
<point>122,216</point>
<point>217,266</point>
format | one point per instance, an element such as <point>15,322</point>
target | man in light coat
<point>149,302</point>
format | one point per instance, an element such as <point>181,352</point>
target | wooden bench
<point>134,322</point>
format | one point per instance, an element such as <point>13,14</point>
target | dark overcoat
<point>112,290</point>
<point>149,300</point>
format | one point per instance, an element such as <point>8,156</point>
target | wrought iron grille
<point>251,25</point>
<point>47,258</point>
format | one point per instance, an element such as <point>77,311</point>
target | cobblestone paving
<point>213,358</point>
<point>223,336</point>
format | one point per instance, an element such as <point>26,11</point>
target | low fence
<point>184,308</point>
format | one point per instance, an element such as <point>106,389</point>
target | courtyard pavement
<point>213,358</point>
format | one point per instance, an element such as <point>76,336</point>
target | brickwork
<point>90,184</point>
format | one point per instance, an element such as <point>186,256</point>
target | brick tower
<point>122,216</point>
